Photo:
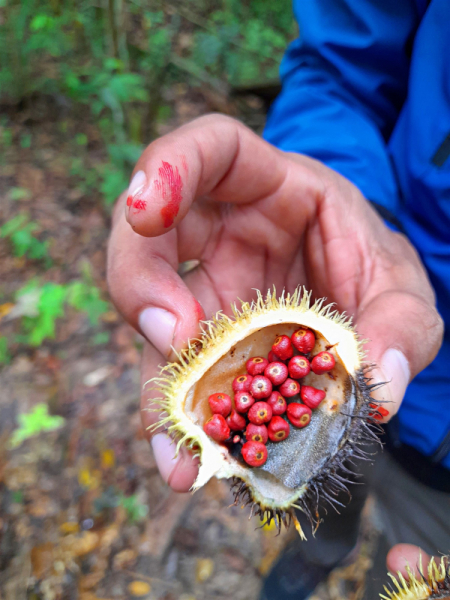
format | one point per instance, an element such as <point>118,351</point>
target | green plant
<point>112,498</point>
<point>85,297</point>
<point>19,231</point>
<point>33,423</point>
<point>135,510</point>
<point>5,356</point>
<point>42,305</point>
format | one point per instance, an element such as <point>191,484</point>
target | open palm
<point>255,217</point>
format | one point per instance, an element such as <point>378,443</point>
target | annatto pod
<point>306,465</point>
<point>432,584</point>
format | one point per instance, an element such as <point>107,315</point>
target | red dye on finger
<point>184,163</point>
<point>170,186</point>
<point>199,311</point>
<point>129,200</point>
<point>139,205</point>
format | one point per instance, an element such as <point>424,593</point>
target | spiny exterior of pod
<point>179,382</point>
<point>432,584</point>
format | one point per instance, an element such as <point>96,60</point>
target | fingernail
<point>137,185</point>
<point>158,326</point>
<point>164,450</point>
<point>394,369</point>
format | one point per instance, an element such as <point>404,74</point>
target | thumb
<point>402,555</point>
<point>404,333</point>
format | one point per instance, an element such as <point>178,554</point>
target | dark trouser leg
<point>305,564</point>
<point>407,511</point>
<point>337,535</point>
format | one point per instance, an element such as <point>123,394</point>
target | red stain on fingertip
<point>199,311</point>
<point>184,163</point>
<point>139,205</point>
<point>129,201</point>
<point>170,186</point>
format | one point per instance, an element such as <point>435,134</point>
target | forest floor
<point>84,513</point>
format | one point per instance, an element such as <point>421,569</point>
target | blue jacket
<point>366,90</point>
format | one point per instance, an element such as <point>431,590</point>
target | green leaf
<point>33,423</point>
<point>18,193</point>
<point>113,184</point>
<point>100,338</point>
<point>5,356</point>
<point>25,140</point>
<point>81,139</point>
<point>13,225</point>
<point>50,307</point>
<point>135,510</point>
<point>86,298</point>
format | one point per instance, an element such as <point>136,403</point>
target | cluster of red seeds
<point>265,393</point>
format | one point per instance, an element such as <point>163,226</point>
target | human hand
<point>402,555</point>
<point>255,217</point>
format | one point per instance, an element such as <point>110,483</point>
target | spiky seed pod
<point>432,584</point>
<point>307,465</point>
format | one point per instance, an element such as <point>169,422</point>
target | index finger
<point>214,156</point>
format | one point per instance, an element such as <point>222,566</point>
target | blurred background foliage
<point>113,62</point>
<point>105,75</point>
<point>113,65</point>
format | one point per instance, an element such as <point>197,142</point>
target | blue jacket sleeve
<point>344,82</point>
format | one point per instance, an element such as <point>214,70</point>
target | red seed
<point>236,439</point>
<point>304,340</point>
<point>278,429</point>
<point>322,362</point>
<point>299,367</point>
<point>236,422</point>
<point>290,388</point>
<point>260,413</point>
<point>283,347</point>
<point>220,404</point>
<point>261,387</point>
<point>216,427</point>
<point>242,383</point>
<point>277,403</point>
<point>273,357</point>
<point>256,365</point>
<point>243,401</point>
<point>277,372</point>
<point>254,453</point>
<point>256,433</point>
<point>311,396</point>
<point>298,414</point>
